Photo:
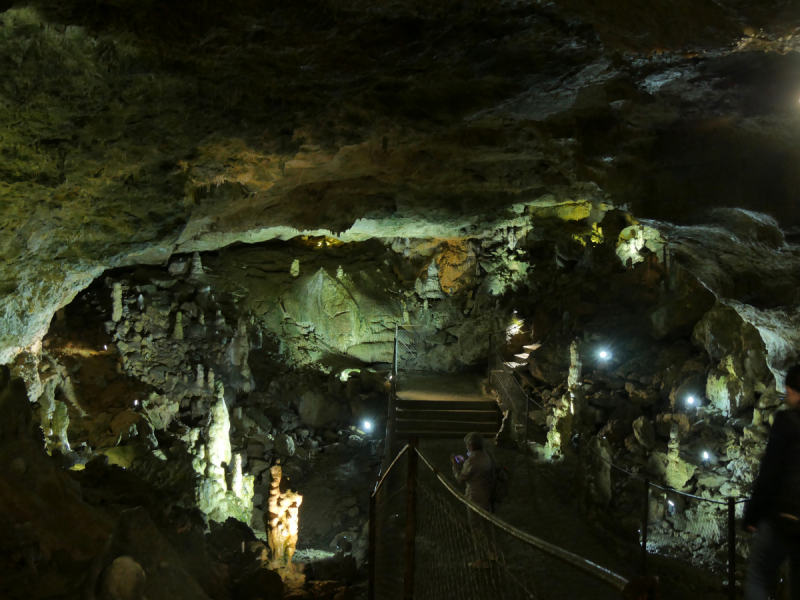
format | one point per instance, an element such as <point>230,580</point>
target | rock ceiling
<point>133,130</point>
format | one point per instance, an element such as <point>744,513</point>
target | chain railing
<point>428,541</point>
<point>668,518</point>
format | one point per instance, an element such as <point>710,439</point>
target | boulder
<point>284,445</point>
<point>317,411</point>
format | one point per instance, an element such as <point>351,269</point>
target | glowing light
<point>604,355</point>
<point>105,347</point>
<point>319,244</point>
<point>671,503</point>
<point>705,455</point>
<point>690,399</point>
<point>391,377</point>
<point>367,426</point>
<point>136,403</point>
<point>514,312</point>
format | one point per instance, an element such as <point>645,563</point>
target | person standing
<point>773,513</point>
<point>477,471</point>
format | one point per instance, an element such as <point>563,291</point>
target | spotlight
<point>367,426</point>
<point>690,399</point>
<point>671,503</point>
<point>604,355</point>
<point>705,455</point>
<point>105,347</point>
<point>136,403</point>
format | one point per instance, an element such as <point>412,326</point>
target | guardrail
<point>448,556</point>
<point>512,397</point>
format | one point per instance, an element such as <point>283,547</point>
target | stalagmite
<point>575,366</point>
<point>178,332</point>
<point>237,480</point>
<point>282,523</point>
<point>197,266</point>
<point>200,379</point>
<point>339,272</point>
<point>219,320</point>
<point>140,302</point>
<point>218,447</point>
<point>211,379</point>
<point>294,271</point>
<point>116,298</point>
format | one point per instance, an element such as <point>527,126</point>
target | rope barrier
<point>665,489</point>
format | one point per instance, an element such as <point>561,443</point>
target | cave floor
<point>542,502</point>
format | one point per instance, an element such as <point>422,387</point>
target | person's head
<point>793,386</point>
<point>474,441</point>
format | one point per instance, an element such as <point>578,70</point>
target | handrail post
<point>645,520</point>
<point>732,548</point>
<point>371,551</point>
<point>527,422</point>
<point>411,520</point>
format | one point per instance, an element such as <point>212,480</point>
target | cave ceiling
<point>130,131</point>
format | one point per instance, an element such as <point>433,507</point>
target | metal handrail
<point>383,476</point>
<point>618,582</point>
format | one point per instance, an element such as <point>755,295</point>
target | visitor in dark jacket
<point>774,511</point>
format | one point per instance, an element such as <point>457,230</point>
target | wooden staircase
<point>443,405</point>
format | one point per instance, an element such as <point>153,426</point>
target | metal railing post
<point>411,520</point>
<point>732,548</point>
<point>645,521</point>
<point>372,539</point>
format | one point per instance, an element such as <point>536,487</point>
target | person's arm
<point>766,485</point>
<point>463,472</point>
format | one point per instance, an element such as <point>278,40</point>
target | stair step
<point>442,434</point>
<point>446,404</point>
<point>452,426</point>
<point>477,416</point>
<point>514,365</point>
<point>522,356</point>
<point>532,347</point>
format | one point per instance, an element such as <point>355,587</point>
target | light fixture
<point>690,399</point>
<point>514,312</point>
<point>604,354</point>
<point>367,425</point>
<point>136,403</point>
<point>105,347</point>
<point>705,455</point>
<point>671,503</point>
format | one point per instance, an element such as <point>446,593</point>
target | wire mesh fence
<point>430,542</point>
<point>458,553</point>
<point>388,521</point>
